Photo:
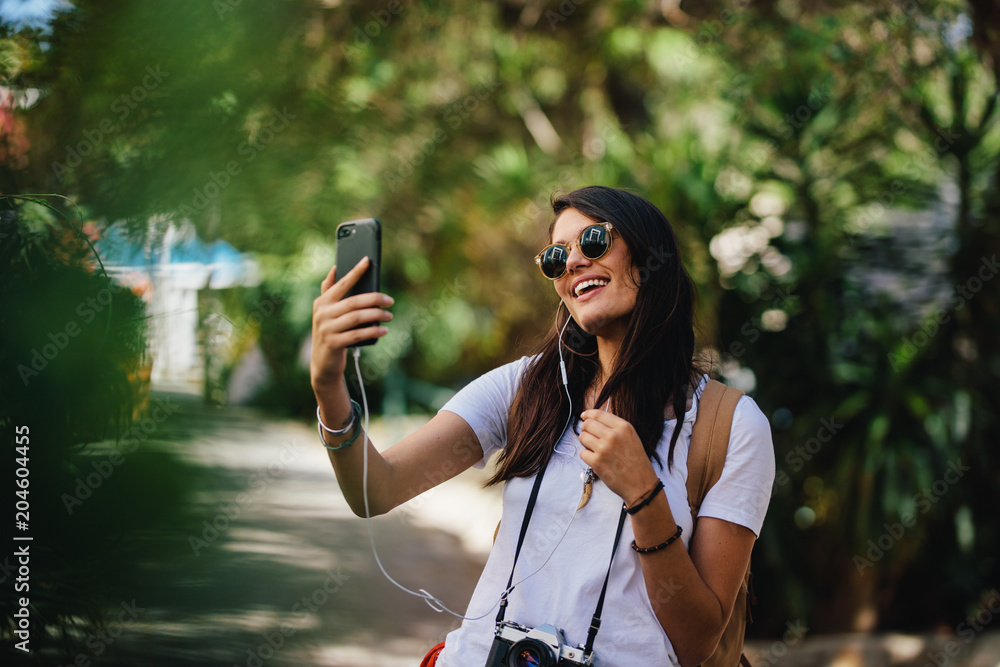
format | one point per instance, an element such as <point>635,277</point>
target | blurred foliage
<point>831,169</point>
<point>72,361</point>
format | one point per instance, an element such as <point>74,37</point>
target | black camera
<point>545,646</point>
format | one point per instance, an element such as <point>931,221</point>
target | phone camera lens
<point>344,232</point>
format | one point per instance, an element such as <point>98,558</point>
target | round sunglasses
<point>594,242</point>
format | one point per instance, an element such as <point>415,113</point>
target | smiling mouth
<point>588,286</point>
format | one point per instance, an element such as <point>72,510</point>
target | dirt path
<point>272,568</point>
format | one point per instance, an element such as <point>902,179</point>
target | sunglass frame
<point>567,247</point>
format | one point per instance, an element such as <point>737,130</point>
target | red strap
<point>432,656</point>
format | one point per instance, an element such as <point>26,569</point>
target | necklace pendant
<point>588,488</point>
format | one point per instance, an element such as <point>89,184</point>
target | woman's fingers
<point>355,336</point>
<point>370,300</point>
<point>602,417</point>
<point>336,289</point>
<point>356,317</point>
<point>613,449</point>
<point>331,277</point>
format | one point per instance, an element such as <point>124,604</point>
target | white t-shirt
<point>569,565</point>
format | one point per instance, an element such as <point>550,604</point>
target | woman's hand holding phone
<point>334,319</point>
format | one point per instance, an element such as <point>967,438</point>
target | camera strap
<point>520,540</point>
<point>595,623</point>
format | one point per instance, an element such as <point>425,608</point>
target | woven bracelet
<point>658,547</point>
<point>648,499</point>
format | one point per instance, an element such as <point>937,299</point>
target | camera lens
<point>343,232</point>
<point>530,653</point>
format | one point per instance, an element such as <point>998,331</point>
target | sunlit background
<point>171,178</point>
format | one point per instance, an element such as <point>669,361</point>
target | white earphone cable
<point>432,601</point>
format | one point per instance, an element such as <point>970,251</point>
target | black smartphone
<point>357,239</point>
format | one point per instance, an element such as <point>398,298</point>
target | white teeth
<point>588,283</point>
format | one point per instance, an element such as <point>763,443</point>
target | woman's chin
<point>591,325</point>
<point>602,326</point>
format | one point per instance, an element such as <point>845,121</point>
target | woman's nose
<point>576,259</point>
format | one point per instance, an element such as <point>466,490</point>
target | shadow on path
<point>264,564</point>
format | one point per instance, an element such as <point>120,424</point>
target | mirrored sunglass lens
<point>554,261</point>
<point>594,242</point>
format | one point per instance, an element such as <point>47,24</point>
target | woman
<point>624,326</point>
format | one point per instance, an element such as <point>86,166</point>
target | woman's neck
<point>607,351</point>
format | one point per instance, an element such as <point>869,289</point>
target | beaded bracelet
<point>648,499</point>
<point>658,547</point>
<point>354,424</point>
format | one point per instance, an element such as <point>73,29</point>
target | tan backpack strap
<point>710,440</point>
<point>706,458</point>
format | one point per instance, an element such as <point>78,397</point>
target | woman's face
<point>602,309</point>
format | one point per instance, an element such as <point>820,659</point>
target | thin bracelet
<point>355,423</point>
<point>658,547</point>
<point>648,499</point>
<point>339,431</point>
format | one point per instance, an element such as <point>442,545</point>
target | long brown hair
<point>654,364</point>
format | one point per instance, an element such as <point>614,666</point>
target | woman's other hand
<point>615,452</point>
